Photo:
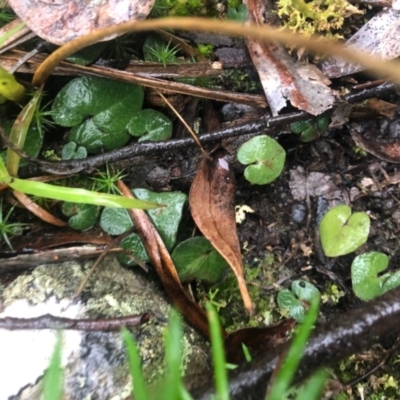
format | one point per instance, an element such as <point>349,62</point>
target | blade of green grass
<point>19,131</point>
<point>53,378</point>
<point>173,354</point>
<point>138,383</point>
<point>293,357</point>
<point>76,195</point>
<point>218,354</point>
<point>313,388</point>
<point>11,32</point>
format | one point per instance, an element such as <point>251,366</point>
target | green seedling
<point>9,229</point>
<point>71,151</point>
<point>310,130</point>
<point>98,111</point>
<point>205,49</point>
<point>365,269</point>
<point>288,370</point>
<point>196,258</point>
<point>106,181</point>
<point>266,158</point>
<point>117,222</point>
<point>342,231</point>
<point>238,14</point>
<point>295,300</point>
<point>162,53</point>
<point>82,216</point>
<point>150,125</point>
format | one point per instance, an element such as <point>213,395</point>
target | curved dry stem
<point>390,69</point>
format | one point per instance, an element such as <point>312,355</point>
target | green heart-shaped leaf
<point>82,216</point>
<point>196,258</point>
<point>287,301</point>
<point>150,125</point>
<point>343,232</point>
<point>98,110</point>
<point>364,274</point>
<point>267,157</point>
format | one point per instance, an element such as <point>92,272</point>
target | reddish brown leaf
<point>212,204</point>
<point>257,340</point>
<point>387,151</point>
<point>40,212</point>
<point>165,268</point>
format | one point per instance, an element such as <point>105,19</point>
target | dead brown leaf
<point>385,150</point>
<point>40,212</point>
<point>60,21</point>
<point>212,204</point>
<point>165,268</point>
<point>282,78</point>
<point>257,340</point>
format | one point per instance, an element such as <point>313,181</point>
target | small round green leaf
<point>82,216</point>
<point>72,151</point>
<point>266,156</point>
<point>304,290</point>
<point>343,232</point>
<point>150,125</point>
<point>196,258</point>
<point>287,301</point>
<point>115,221</point>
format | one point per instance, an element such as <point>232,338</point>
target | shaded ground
<point>280,238</point>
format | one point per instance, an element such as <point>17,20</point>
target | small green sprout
<point>205,49</point>
<point>106,181</point>
<point>294,301</point>
<point>9,229</point>
<point>310,130</point>
<point>163,53</point>
<point>342,231</point>
<point>239,13</point>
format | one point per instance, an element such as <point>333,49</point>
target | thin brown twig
<point>48,321</point>
<point>175,111</point>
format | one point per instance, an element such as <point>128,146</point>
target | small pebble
<point>299,212</point>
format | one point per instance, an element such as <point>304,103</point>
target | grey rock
<point>95,362</point>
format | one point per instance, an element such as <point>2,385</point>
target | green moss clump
<point>318,16</point>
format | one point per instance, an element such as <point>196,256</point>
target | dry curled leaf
<point>165,268</point>
<point>60,21</point>
<point>212,204</point>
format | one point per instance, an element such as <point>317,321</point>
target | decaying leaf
<point>385,150</point>
<point>282,78</point>
<point>60,21</point>
<point>257,340</point>
<point>165,267</point>
<point>378,37</point>
<point>212,204</point>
